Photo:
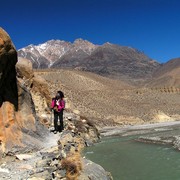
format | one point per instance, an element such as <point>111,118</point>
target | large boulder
<point>37,86</point>
<point>19,125</point>
<point>8,59</point>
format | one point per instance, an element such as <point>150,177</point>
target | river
<point>127,159</point>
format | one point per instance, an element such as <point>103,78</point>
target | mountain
<point>167,75</point>
<point>46,54</point>
<point>103,99</point>
<point>108,60</point>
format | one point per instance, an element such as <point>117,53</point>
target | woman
<point>58,105</point>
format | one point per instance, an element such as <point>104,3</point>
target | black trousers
<point>58,116</point>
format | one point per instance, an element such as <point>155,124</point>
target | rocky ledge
<point>61,157</point>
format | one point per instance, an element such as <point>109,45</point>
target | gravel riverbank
<point>156,133</point>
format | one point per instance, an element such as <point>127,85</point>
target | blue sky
<point>151,26</point>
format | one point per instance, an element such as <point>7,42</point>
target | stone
<point>3,170</point>
<point>24,156</point>
<point>19,125</point>
<point>24,71</point>
<point>93,171</point>
<point>44,175</point>
<point>36,85</point>
<point>8,60</point>
<point>42,163</point>
<point>36,178</point>
<point>8,92</point>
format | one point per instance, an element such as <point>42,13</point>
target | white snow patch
<point>43,46</point>
<point>33,59</point>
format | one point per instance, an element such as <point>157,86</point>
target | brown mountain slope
<point>109,60</point>
<point>114,61</point>
<point>110,101</point>
<point>167,75</point>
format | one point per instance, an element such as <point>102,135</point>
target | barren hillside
<point>168,75</point>
<point>109,101</point>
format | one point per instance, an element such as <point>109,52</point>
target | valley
<point>113,102</point>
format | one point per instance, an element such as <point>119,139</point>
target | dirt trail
<point>20,166</point>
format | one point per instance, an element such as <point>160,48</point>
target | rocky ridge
<point>108,60</point>
<point>46,54</point>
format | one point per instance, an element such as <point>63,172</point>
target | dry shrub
<point>89,120</point>
<point>83,117</point>
<point>73,166</point>
<point>80,143</point>
<point>45,122</point>
<point>80,126</point>
<point>90,123</point>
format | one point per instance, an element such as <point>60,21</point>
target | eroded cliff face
<point>8,59</point>
<point>19,125</point>
<point>8,92</point>
<point>36,85</point>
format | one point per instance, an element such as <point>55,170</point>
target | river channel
<point>128,159</point>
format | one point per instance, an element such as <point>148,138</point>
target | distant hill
<point>88,93</point>
<point>108,60</point>
<point>108,100</point>
<point>168,75</point>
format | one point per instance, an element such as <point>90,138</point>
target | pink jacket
<point>59,103</point>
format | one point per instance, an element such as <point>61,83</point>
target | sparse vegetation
<point>111,102</point>
<point>73,166</point>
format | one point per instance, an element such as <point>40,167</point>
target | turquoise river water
<point>127,159</point>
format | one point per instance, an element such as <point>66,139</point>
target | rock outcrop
<point>19,126</point>
<point>8,59</point>
<point>62,160</point>
<point>36,85</point>
<point>8,91</point>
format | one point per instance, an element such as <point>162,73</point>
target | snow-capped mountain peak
<point>53,50</point>
<point>107,59</point>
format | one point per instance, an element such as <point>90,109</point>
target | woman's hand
<point>57,103</point>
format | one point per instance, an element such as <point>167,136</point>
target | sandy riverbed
<point>139,129</point>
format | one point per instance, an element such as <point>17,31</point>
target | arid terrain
<point>29,149</point>
<point>113,102</point>
<point>112,84</point>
